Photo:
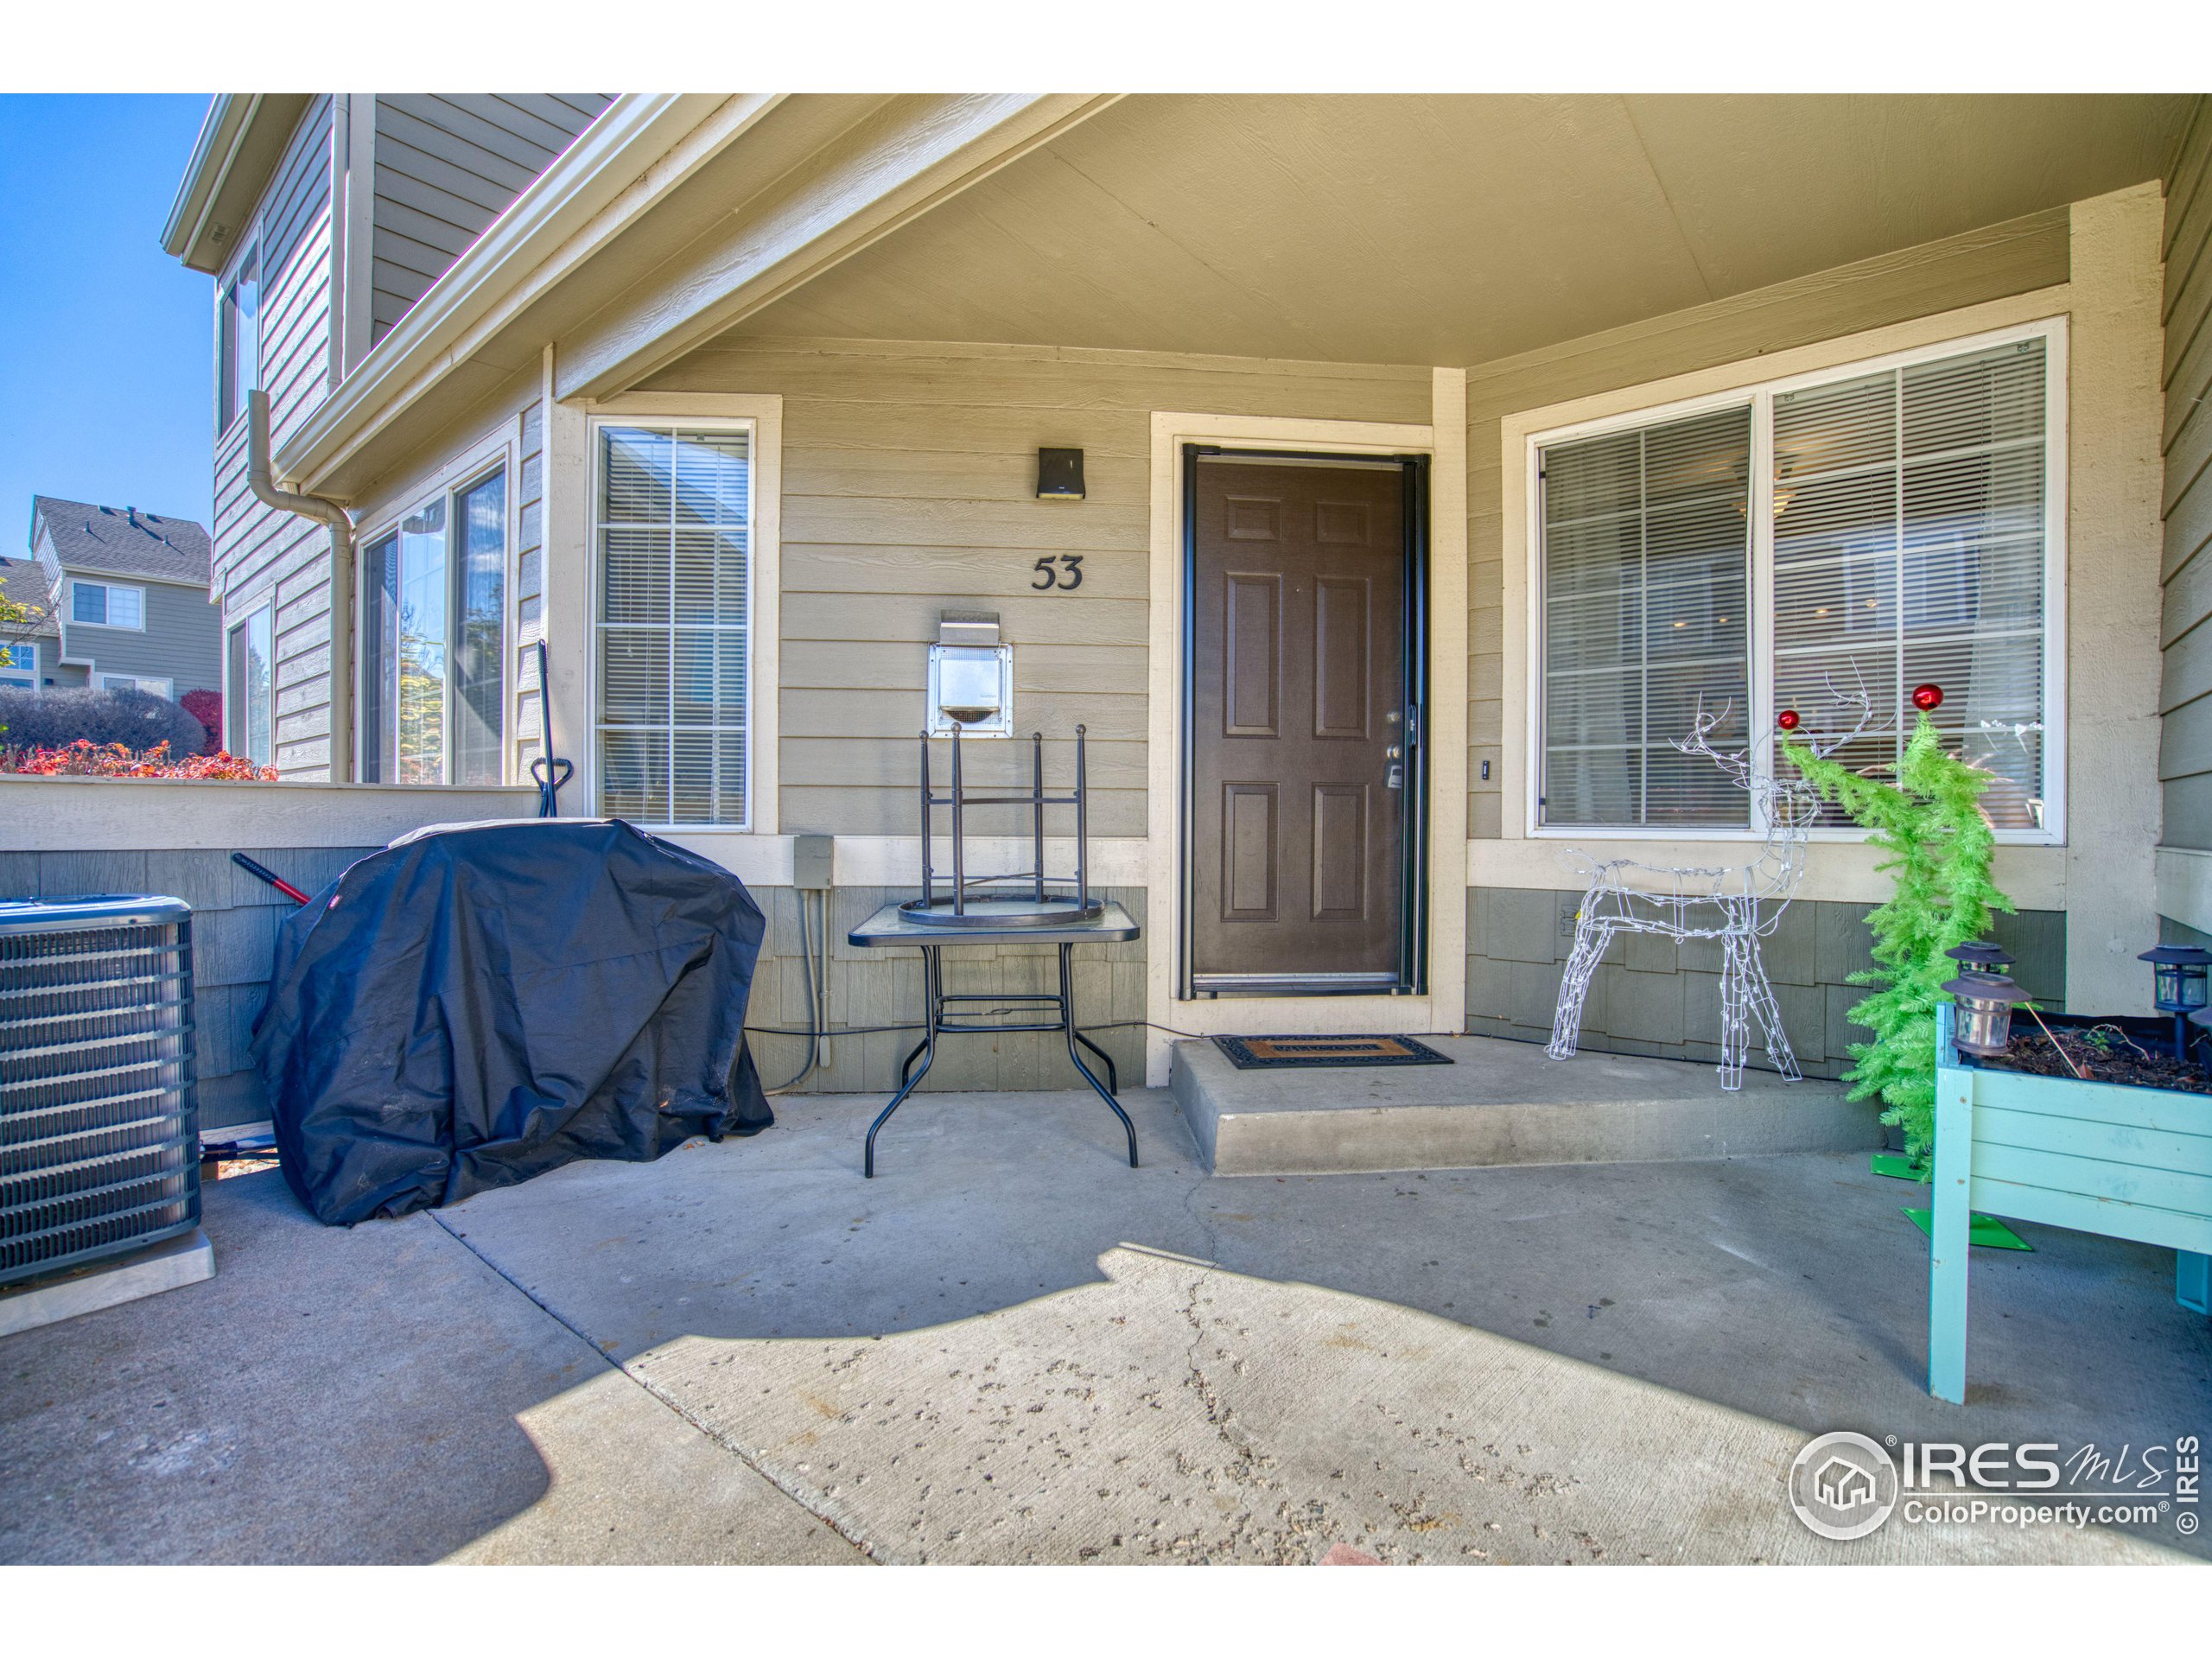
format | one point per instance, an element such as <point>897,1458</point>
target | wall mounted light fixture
<point>1059,475</point>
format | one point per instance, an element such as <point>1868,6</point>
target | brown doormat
<point>1262,1053</point>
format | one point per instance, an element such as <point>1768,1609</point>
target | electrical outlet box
<point>813,861</point>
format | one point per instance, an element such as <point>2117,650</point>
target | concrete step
<point>1500,1103</point>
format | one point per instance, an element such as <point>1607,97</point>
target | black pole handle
<point>255,868</point>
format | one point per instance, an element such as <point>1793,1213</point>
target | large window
<point>673,526</point>
<point>107,604</point>
<point>432,647</point>
<point>238,340</point>
<point>248,698</point>
<point>1868,530</point>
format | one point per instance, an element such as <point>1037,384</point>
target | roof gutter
<point>323,511</point>
<point>594,189</point>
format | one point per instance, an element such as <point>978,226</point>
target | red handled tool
<point>271,876</point>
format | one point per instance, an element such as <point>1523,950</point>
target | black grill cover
<point>473,1007</point>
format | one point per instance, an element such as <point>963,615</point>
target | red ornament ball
<point>1787,719</point>
<point>1928,697</point>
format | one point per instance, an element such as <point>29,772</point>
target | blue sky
<point>105,346</point>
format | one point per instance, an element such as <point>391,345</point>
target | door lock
<point>1391,754</point>
<point>1395,778</point>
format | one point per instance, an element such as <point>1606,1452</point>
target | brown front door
<point>1299,700</point>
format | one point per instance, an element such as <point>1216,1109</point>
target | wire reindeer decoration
<point>1738,905</point>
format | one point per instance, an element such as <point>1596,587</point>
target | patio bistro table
<point>1112,926</point>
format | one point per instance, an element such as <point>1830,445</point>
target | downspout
<point>323,510</point>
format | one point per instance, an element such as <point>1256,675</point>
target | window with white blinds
<point>1903,536</point>
<point>1646,559</point>
<point>673,513</point>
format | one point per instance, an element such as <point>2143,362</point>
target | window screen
<point>1645,570</point>
<point>673,531</point>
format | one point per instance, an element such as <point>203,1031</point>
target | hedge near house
<point>1940,844</point>
<point>137,720</point>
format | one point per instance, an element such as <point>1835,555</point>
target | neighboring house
<point>126,593</point>
<point>1441,455</point>
<point>30,653</point>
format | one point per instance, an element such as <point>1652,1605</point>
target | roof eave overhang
<point>593,189</point>
<point>633,158</point>
<point>241,141</point>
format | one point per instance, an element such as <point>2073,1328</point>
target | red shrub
<point>84,760</point>
<point>207,707</point>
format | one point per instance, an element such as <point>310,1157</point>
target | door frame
<point>1442,1007</point>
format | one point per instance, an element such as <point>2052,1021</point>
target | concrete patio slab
<point>1011,1346</point>
<point>377,1395</point>
<point>1498,1102</point>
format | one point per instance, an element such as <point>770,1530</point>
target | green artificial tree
<point>1939,843</point>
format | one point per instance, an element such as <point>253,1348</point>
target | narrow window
<point>380,630</point>
<point>421,647</point>
<point>673,533</point>
<point>479,634</point>
<point>239,351</point>
<point>248,696</point>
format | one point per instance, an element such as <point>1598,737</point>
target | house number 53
<point>1060,570</point>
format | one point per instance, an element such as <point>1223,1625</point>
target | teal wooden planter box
<point>2097,1157</point>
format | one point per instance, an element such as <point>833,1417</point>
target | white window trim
<point>75,582</point>
<point>497,453</point>
<point>763,416</point>
<point>11,668</point>
<point>1758,396</point>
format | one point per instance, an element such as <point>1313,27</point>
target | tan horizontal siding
<point>1990,263</point>
<point>263,557</point>
<point>909,488</point>
<point>2185,623</point>
<point>447,165</point>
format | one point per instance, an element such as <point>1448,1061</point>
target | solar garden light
<point>1985,999</point>
<point>2179,986</point>
<point>1980,957</point>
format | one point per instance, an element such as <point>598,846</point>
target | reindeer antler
<point>1737,763</point>
<point>1861,701</point>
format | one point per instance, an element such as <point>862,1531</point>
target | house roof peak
<point>122,541</point>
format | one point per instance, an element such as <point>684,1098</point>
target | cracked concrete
<point>1011,1347</point>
